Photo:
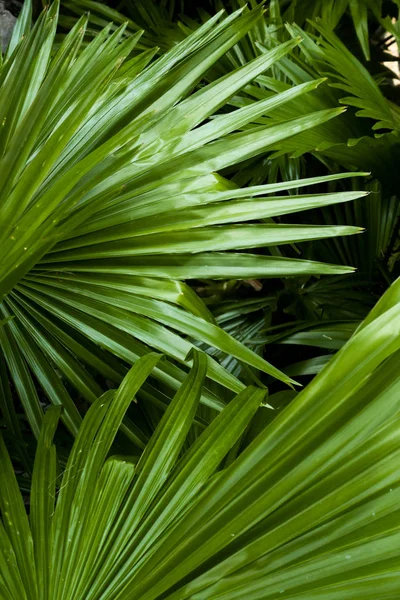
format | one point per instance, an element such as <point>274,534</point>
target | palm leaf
<point>110,185</point>
<point>308,509</point>
<point>332,11</point>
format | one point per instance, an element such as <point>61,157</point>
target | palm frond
<point>332,12</point>
<point>308,509</point>
<point>111,198</point>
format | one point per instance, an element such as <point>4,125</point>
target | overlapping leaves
<point>110,199</point>
<point>308,509</point>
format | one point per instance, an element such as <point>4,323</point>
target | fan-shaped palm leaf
<point>110,198</point>
<point>309,509</point>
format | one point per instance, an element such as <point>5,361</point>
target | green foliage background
<point>199,317</point>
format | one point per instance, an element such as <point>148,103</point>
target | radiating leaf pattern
<point>111,199</point>
<point>309,509</point>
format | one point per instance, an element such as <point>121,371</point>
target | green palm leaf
<point>110,187</point>
<point>309,509</point>
<point>331,13</point>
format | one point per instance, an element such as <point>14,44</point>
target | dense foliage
<point>200,301</point>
